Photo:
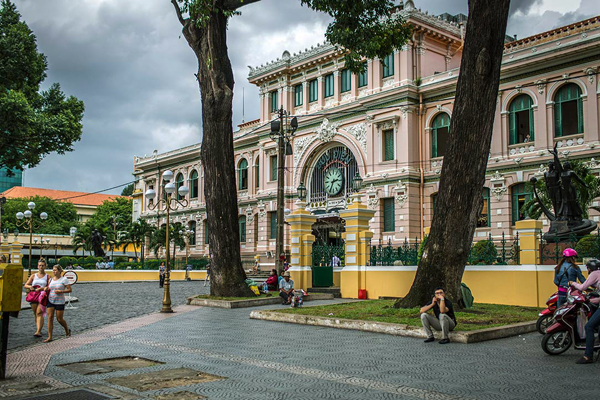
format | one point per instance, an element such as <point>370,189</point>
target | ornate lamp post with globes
<point>25,219</point>
<point>168,203</point>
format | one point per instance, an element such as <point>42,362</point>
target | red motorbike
<point>547,315</point>
<point>567,328</point>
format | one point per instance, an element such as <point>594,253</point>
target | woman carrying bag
<point>566,271</point>
<point>36,284</point>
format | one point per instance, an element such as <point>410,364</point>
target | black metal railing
<point>406,254</point>
<point>587,246</point>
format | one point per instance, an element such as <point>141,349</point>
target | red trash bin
<point>362,294</point>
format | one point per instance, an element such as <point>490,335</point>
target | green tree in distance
<point>33,123</point>
<point>114,213</point>
<point>61,214</point>
<point>362,27</point>
<point>127,190</point>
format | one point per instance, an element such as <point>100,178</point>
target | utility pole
<point>282,134</point>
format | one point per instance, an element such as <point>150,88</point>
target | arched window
<point>242,225</point>
<point>243,174</point>
<point>519,196</point>
<point>520,120</point>
<point>192,227</point>
<point>194,185</point>
<point>568,111</point>
<point>439,137</point>
<point>178,184</point>
<point>483,220</point>
<point>257,173</point>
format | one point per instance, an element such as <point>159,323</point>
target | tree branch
<point>178,11</point>
<point>232,5</point>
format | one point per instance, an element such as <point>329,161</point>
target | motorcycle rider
<point>566,270</point>
<point>593,279</point>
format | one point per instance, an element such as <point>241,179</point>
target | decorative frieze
<point>359,131</point>
<point>372,198</point>
<point>570,142</point>
<point>327,130</point>
<point>262,212</point>
<point>400,195</point>
<point>498,186</point>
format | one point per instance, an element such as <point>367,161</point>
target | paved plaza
<point>271,360</point>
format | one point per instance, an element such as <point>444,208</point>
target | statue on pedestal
<point>566,220</point>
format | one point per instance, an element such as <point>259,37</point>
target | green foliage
<point>588,246</point>
<point>115,213</point>
<point>127,190</point>
<point>422,248</point>
<point>33,123</point>
<point>159,238</point>
<point>61,215</point>
<point>585,196</point>
<point>483,252</point>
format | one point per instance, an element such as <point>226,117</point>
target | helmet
<point>593,264</point>
<point>569,252</point>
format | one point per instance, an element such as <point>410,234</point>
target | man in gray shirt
<point>286,289</point>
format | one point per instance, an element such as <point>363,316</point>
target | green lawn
<point>479,317</point>
<point>209,297</point>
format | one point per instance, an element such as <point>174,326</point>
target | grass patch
<point>479,317</point>
<point>209,297</point>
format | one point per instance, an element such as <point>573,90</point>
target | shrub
<point>483,252</point>
<point>588,246</point>
<point>421,248</point>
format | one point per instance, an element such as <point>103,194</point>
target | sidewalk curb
<point>396,329</point>
<point>193,301</point>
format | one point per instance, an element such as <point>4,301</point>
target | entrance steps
<point>334,290</point>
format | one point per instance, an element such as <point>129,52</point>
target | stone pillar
<point>357,238</point>
<point>14,249</point>
<point>529,239</point>
<point>301,222</point>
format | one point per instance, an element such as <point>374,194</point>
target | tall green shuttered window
<point>519,196</point>
<point>272,224</point>
<point>363,77</point>
<point>257,173</point>
<point>313,90</point>
<point>242,225</point>
<point>520,120</point>
<point>243,175</point>
<point>298,95</point>
<point>568,111</point>
<point>389,223</point>
<point>346,77</point>
<point>388,145</point>
<point>388,65</point>
<point>439,135</point>
<point>274,101</point>
<point>328,85</point>
<point>273,160</point>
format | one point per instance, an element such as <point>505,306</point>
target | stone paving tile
<point>271,360</point>
<point>101,304</point>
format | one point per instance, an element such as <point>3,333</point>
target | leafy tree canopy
<point>363,28</point>
<point>61,215</point>
<point>127,190</point>
<point>118,210</point>
<point>33,123</point>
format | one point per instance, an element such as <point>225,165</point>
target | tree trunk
<point>463,174</point>
<point>215,77</point>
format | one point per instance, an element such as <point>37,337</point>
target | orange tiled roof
<point>77,198</point>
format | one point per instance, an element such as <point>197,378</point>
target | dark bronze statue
<point>97,240</point>
<point>566,218</point>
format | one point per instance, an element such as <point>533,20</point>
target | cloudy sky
<point>127,61</point>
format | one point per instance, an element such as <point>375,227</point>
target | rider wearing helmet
<point>566,271</point>
<point>593,279</point>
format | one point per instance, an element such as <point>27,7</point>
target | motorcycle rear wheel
<point>553,343</point>
<point>543,323</point>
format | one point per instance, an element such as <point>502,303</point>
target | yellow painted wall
<point>529,286</point>
<point>128,275</point>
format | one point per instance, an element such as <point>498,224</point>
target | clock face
<point>334,181</point>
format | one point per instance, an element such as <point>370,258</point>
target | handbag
<point>33,296</point>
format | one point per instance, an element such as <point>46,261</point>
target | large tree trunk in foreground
<point>215,77</point>
<point>463,174</point>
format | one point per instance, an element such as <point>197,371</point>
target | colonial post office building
<point>390,125</point>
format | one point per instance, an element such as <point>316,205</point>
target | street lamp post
<point>168,203</point>
<point>282,130</point>
<point>25,219</point>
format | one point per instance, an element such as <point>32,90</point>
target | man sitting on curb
<point>444,319</point>
<point>286,289</point>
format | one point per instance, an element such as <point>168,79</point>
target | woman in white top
<point>57,288</point>
<point>38,282</point>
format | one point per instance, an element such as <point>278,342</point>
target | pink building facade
<point>390,125</point>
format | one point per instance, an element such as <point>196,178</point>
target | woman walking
<point>162,271</point>
<point>566,270</point>
<point>56,301</point>
<point>37,283</point>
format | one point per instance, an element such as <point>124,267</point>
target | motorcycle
<point>567,328</point>
<point>547,315</point>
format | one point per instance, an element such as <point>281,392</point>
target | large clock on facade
<point>334,181</point>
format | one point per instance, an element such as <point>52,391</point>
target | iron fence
<point>407,253</point>
<point>322,254</point>
<point>587,246</point>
